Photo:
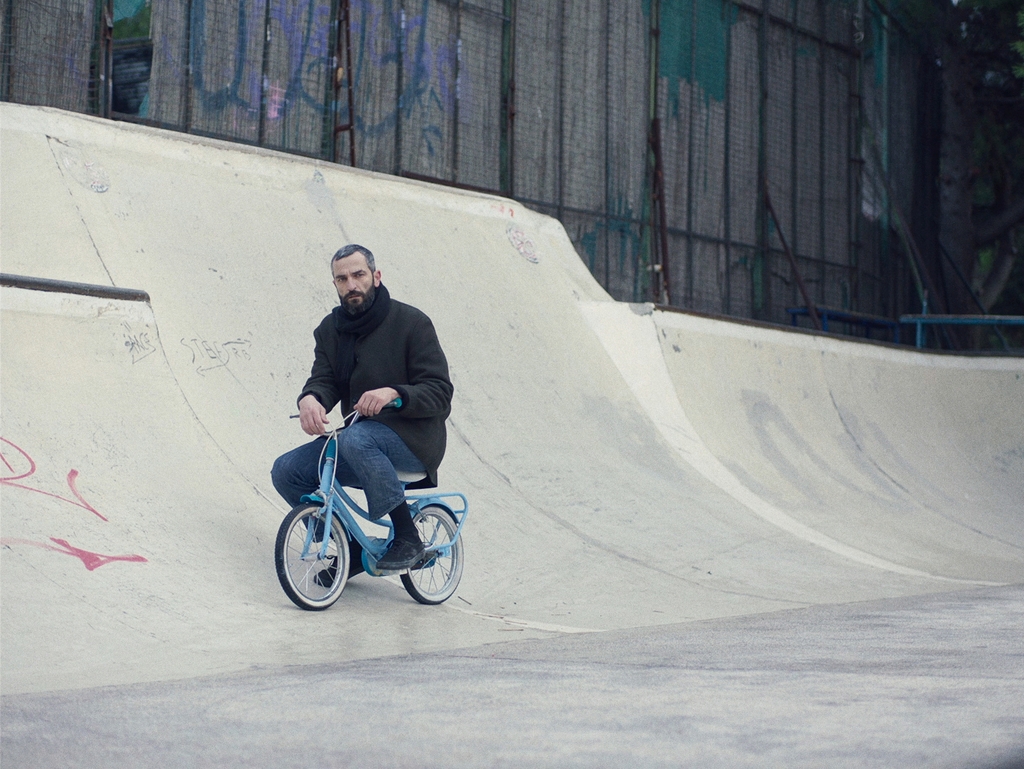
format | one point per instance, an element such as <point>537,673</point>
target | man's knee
<point>354,442</point>
<point>282,475</point>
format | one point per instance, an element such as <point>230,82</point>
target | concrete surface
<point>628,469</point>
<point>930,681</point>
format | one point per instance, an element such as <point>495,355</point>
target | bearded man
<point>370,351</point>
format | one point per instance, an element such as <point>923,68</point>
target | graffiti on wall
<point>19,467</point>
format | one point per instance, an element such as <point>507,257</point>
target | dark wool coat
<point>403,353</point>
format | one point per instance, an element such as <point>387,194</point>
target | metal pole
<point>688,295</point>
<point>458,72</point>
<point>607,144</point>
<point>261,131</point>
<point>399,86</point>
<point>727,7</point>
<point>187,95</point>
<point>822,134</point>
<point>7,46</point>
<point>506,171</point>
<point>759,283</point>
<point>811,309</point>
<point>794,144</point>
<point>349,82</point>
<point>560,69</point>
<point>855,166</point>
<point>107,62</point>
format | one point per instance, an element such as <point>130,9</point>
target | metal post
<point>794,144</point>
<point>811,309</point>
<point>506,171</point>
<point>659,235</point>
<point>187,96</point>
<point>760,283</point>
<point>328,145</point>
<point>399,86</point>
<point>261,131</point>
<point>661,271</point>
<point>855,153</point>
<point>345,36</point>
<point>7,48</point>
<point>560,70</point>
<point>458,95</point>
<point>688,295</point>
<point>727,7</point>
<point>106,67</point>
<point>607,144</point>
<point>822,134</point>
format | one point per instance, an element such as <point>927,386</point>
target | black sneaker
<point>401,555</point>
<point>325,577</point>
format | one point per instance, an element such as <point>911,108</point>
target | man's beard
<point>361,307</point>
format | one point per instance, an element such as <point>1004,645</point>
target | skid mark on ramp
<point>631,340</point>
<point>523,624</point>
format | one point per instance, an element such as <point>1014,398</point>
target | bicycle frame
<point>337,503</point>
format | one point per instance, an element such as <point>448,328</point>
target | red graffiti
<point>92,561</point>
<point>504,209</point>
<point>72,477</point>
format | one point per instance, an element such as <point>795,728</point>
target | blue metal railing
<point>959,320</point>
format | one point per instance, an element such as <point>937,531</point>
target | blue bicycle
<point>313,553</point>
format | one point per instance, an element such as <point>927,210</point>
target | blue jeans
<point>370,455</point>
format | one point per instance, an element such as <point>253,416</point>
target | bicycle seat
<point>410,477</point>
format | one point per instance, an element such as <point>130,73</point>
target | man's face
<point>355,283</point>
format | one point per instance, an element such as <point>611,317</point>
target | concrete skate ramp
<point>625,467</point>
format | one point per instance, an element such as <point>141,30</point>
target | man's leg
<point>375,454</point>
<point>298,472</point>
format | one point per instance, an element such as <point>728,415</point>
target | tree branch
<point>998,276</point>
<point>994,227</point>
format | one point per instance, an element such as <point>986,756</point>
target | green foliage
<point>1018,45</point>
<point>1011,302</point>
<point>991,34</point>
<point>134,27</point>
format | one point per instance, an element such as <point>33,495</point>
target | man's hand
<point>372,401</point>
<point>312,416</point>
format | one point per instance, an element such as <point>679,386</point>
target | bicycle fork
<point>326,482</point>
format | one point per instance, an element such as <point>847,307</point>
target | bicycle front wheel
<point>312,581</point>
<point>435,580</point>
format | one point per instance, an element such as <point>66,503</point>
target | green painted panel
<point>699,58</point>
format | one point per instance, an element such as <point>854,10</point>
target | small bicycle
<point>313,568</point>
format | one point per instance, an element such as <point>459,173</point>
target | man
<point>370,351</point>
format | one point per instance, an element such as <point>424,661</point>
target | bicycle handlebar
<point>395,404</point>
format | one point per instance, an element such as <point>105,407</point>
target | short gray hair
<point>354,248</point>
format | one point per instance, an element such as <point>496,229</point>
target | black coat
<point>403,353</point>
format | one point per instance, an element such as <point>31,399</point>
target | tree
<point>980,44</point>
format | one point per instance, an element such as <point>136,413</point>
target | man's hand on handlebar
<point>312,416</point>
<point>372,401</point>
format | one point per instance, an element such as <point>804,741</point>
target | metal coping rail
<point>70,287</point>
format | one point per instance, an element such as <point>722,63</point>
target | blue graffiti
<point>387,35</point>
<point>383,35</point>
<point>304,29</point>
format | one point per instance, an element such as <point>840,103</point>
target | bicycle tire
<point>436,580</point>
<point>310,583</point>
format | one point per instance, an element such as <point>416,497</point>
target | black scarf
<point>351,328</point>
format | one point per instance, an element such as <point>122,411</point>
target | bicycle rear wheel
<point>436,579</point>
<point>314,582</point>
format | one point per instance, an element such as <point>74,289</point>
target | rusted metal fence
<point>680,142</point>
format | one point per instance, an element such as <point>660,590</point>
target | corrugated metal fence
<point>811,104</point>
